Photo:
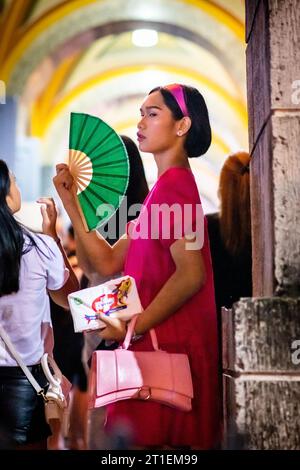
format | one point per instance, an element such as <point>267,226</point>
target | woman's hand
<point>64,184</point>
<point>115,329</point>
<point>49,214</point>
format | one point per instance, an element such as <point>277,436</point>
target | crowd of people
<point>194,265</point>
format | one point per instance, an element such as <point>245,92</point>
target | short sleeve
<point>179,212</point>
<point>56,271</point>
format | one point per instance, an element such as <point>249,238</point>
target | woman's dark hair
<point>198,138</point>
<point>137,189</point>
<point>136,192</point>
<point>234,194</point>
<point>11,239</point>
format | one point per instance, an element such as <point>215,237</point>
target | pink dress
<point>192,329</point>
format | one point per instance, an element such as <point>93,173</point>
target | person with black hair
<point>136,193</point>
<point>166,250</point>
<point>30,266</point>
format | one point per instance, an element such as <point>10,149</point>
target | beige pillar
<point>273,83</point>
<point>261,357</point>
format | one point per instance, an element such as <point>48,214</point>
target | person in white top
<point>31,267</point>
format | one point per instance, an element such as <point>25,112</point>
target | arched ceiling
<point>77,55</point>
<point>44,33</point>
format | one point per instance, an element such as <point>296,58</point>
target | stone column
<point>273,82</point>
<point>262,337</point>
<point>261,374</point>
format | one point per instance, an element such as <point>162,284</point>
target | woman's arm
<point>60,296</point>
<point>188,278</point>
<point>49,215</point>
<point>95,255</point>
<point>93,251</point>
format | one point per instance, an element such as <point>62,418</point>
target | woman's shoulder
<point>38,238</point>
<point>177,185</point>
<point>44,258</point>
<point>176,175</point>
<point>176,178</point>
<point>44,244</point>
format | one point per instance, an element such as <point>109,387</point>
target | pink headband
<point>177,92</point>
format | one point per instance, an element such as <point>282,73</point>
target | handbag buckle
<point>144,393</point>
<point>43,394</point>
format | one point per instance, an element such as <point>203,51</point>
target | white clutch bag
<point>117,298</point>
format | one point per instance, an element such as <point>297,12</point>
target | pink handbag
<point>142,375</point>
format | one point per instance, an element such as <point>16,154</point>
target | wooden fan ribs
<point>81,169</point>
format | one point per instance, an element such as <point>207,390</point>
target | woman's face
<point>157,129</point>
<point>13,199</point>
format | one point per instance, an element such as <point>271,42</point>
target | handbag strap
<point>39,390</point>
<point>130,332</point>
<point>56,379</point>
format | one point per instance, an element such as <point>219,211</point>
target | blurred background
<point>102,57</point>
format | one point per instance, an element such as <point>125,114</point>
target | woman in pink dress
<point>166,250</point>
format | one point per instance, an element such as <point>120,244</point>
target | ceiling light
<point>144,37</point>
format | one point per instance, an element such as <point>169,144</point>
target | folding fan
<point>99,164</point>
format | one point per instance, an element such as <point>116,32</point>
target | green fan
<point>99,164</point>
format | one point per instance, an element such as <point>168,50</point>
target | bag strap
<point>39,390</point>
<point>54,380</point>
<point>130,332</point>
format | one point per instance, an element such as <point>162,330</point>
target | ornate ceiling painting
<point>78,55</point>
